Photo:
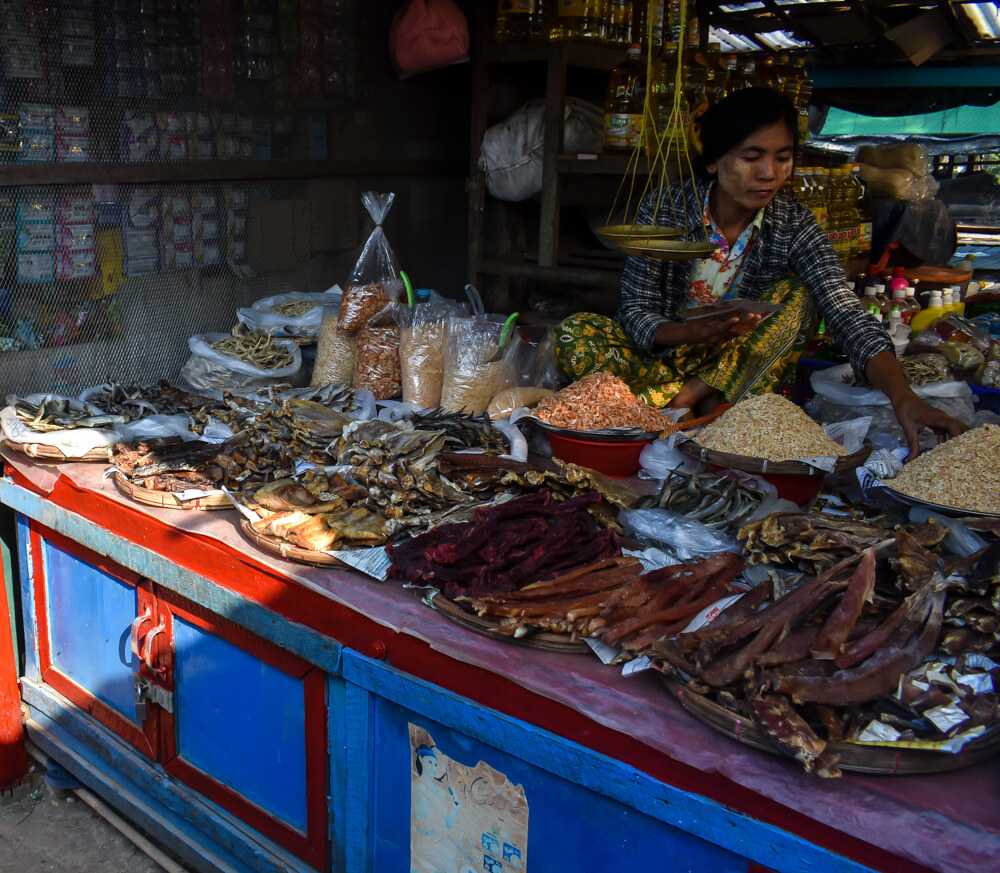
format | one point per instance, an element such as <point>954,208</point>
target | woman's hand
<point>712,329</point>
<point>912,413</point>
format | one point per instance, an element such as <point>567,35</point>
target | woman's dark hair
<point>731,120</point>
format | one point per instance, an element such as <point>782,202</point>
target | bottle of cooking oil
<point>767,75</point>
<point>748,69</point>
<point>784,71</point>
<point>803,98</point>
<point>716,73</point>
<point>520,20</point>
<point>624,103</point>
<point>619,17</point>
<point>863,205</point>
<point>584,20</point>
<point>817,181</point>
<point>670,109</point>
<point>734,78</point>
<point>647,25</point>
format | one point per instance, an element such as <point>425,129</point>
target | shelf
<point>572,54</point>
<point>215,171</point>
<point>516,268</point>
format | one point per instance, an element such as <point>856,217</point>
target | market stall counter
<point>259,714</point>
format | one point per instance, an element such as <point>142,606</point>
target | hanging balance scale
<point>665,138</point>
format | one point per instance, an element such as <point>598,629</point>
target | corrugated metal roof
<point>832,26</point>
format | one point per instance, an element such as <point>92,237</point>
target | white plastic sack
<point>158,427</point>
<point>835,400</point>
<point>260,319</point>
<point>511,155</point>
<point>209,371</point>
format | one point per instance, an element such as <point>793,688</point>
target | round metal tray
<point>668,250</point>
<point>951,511</point>
<point>608,435</point>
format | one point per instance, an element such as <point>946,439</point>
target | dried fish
<point>256,349</point>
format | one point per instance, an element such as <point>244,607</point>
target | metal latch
<point>145,690</point>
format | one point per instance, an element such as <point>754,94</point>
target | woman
<point>770,248</point>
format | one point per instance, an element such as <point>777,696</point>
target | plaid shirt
<point>790,241</point>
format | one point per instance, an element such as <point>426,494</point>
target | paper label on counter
<point>637,665</point>
<point>372,562</point>
<point>463,817</point>
<point>13,428</point>
<point>603,651</point>
<point>710,613</point>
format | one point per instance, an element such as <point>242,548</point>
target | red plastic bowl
<point>611,458</point>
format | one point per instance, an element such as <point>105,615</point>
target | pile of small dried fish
<point>57,414</point>
<point>813,541</point>
<point>972,607</point>
<point>716,500</point>
<point>509,545</point>
<point>256,349</point>
<point>917,370</point>
<point>132,400</point>
<point>601,401</point>
<point>316,511</point>
<point>169,464</point>
<point>293,308</point>
<point>823,663</point>
<point>461,431</point>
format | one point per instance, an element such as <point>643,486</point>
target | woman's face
<point>751,173</point>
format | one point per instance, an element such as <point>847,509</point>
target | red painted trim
<point>242,574</point>
<point>311,846</point>
<point>145,740</point>
<point>13,753</point>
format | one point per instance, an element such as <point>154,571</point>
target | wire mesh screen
<point>108,279</point>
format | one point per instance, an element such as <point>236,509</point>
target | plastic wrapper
<point>898,183</point>
<point>377,366</point>
<point>966,361</point>
<point>473,365</point>
<point>359,304</point>
<point>336,352</point>
<point>210,371</point>
<point>906,156</point>
<point>509,399</point>
<point>423,335</point>
<point>377,261</point>
<point>262,317</point>
<point>684,537</point>
<point>835,400</point>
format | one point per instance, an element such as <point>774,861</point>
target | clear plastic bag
<point>377,367</point>
<point>336,352</point>
<point>422,340</point>
<point>473,365</point>
<point>377,261</point>
<point>296,313</point>
<point>360,304</point>
<point>210,371</point>
<point>684,537</point>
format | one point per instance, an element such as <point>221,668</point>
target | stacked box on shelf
<point>10,137</point>
<point>51,83</point>
<point>36,211</point>
<point>201,138</point>
<point>338,49</point>
<point>234,136</point>
<point>72,129</point>
<point>140,137</point>
<point>305,71</point>
<point>119,27</point>
<point>8,227</point>
<point>76,255</point>
<point>255,46</point>
<point>20,48</point>
<point>236,224</point>
<point>173,127</point>
<point>140,236</point>
<point>148,45</point>
<point>177,24</point>
<point>79,35</point>
<point>176,233</point>
<point>217,50</point>
<point>38,137</point>
<point>206,226</point>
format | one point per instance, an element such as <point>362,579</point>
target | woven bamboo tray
<point>763,465</point>
<point>166,500</point>
<point>488,627</point>
<point>284,549</point>
<point>858,757</point>
<point>51,453</point>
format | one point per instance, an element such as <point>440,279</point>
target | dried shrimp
<point>600,401</point>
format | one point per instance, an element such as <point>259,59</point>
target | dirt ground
<point>43,829</point>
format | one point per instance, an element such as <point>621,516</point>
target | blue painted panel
<point>569,827</point>
<point>90,619</point>
<point>27,599</point>
<point>241,721</point>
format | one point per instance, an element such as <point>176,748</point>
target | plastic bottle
<point>803,99</point>
<point>864,207</point>
<point>898,279</point>
<point>734,78</point>
<point>663,92</point>
<point>929,315</point>
<point>582,20</point>
<point>619,18</point>
<point>967,263</point>
<point>947,299</point>
<point>872,277</point>
<point>899,303</point>
<point>716,73</point>
<point>520,20</point>
<point>956,296</point>
<point>911,301</point>
<point>647,24</point>
<point>624,102</point>
<point>884,301</point>
<point>767,74</point>
<point>785,73</point>
<point>852,217</point>
<point>748,69</point>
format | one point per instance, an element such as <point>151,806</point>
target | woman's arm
<point>912,413</point>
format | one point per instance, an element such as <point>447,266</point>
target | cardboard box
<point>278,234</point>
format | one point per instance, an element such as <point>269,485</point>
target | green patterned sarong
<point>755,363</point>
